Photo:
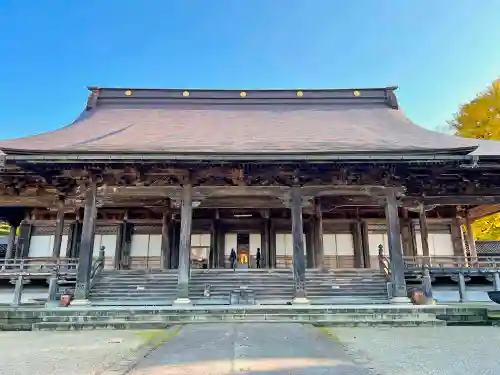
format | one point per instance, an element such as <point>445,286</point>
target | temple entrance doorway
<point>243,249</point>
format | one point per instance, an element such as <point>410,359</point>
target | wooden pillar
<point>165,238</point>
<point>217,241</point>
<point>470,237</point>
<point>424,231</point>
<point>365,244</point>
<point>120,235</point>
<point>56,250</point>
<point>299,262</point>
<point>395,249</point>
<point>272,244</point>
<point>175,244</point>
<point>318,234</point>
<point>221,245</point>
<point>457,237</point>
<point>87,245</point>
<point>212,255</point>
<point>125,258</point>
<point>358,244</point>
<point>413,237</point>
<point>265,244</point>
<point>310,243</point>
<point>406,234</point>
<point>74,237</point>
<point>185,244</point>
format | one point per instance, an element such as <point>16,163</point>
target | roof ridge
<point>194,89</point>
<point>129,96</point>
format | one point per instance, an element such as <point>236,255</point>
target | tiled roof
<point>235,122</point>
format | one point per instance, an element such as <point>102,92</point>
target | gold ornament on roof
<point>128,92</point>
<point>300,94</point>
<point>185,93</point>
<point>357,93</point>
<point>243,94</point>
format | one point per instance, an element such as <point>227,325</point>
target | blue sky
<point>439,52</point>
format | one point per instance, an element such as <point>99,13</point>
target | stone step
<point>326,274</point>
<point>352,292</point>
<point>132,296</point>
<point>34,312</point>
<point>139,271</point>
<point>351,286</point>
<point>167,317</point>
<point>132,303</point>
<point>136,279</point>
<point>167,301</point>
<point>242,272</point>
<point>344,277</point>
<point>346,285</point>
<point>347,280</point>
<point>233,286</point>
<point>160,324</point>
<point>228,280</point>
<point>348,301</point>
<point>134,286</point>
<point>173,293</point>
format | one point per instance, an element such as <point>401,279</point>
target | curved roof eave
<point>380,156</point>
<point>165,123</point>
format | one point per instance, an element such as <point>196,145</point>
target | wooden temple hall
<point>312,179</point>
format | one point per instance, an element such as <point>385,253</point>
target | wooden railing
<point>97,267</point>
<point>385,267</point>
<point>57,271</point>
<point>55,279</point>
<point>452,262</point>
<point>36,267</point>
<point>384,263</point>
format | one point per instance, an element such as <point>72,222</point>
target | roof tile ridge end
<point>92,98</point>
<point>391,100</point>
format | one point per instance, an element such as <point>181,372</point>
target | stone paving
<point>64,353</point>
<point>423,350</point>
<point>224,349</point>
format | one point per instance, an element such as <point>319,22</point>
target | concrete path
<point>224,349</point>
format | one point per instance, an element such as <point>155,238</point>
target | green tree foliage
<point>481,119</point>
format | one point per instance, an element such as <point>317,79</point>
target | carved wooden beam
<point>469,200</point>
<point>482,211</point>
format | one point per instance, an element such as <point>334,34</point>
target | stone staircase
<point>163,317</point>
<point>266,286</point>
<point>346,286</point>
<point>262,286</point>
<point>134,288</point>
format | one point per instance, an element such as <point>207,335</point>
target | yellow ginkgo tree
<point>4,229</point>
<point>480,119</point>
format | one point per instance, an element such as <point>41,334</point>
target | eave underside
<point>343,188</point>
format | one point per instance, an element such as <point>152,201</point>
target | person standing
<point>232,259</point>
<point>257,257</point>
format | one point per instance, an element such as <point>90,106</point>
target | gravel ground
<point>64,353</point>
<point>424,350</point>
